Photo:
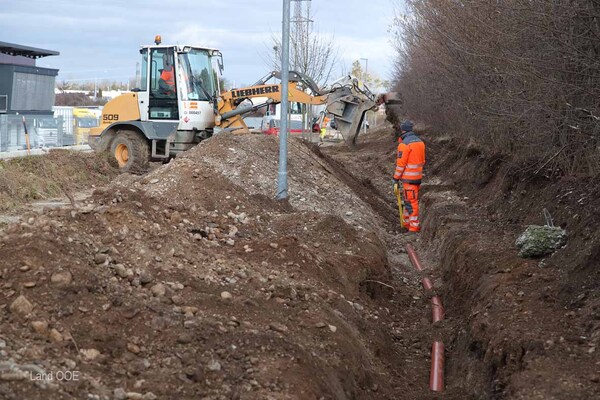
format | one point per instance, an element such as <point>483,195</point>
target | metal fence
<point>43,130</point>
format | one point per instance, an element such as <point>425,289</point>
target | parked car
<point>271,126</point>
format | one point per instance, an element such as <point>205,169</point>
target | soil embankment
<point>60,173</point>
<point>528,327</point>
<point>193,282</point>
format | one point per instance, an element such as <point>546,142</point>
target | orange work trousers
<point>410,198</point>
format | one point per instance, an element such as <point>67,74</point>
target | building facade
<point>26,100</point>
<point>24,87</point>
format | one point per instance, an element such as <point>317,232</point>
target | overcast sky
<point>100,40</point>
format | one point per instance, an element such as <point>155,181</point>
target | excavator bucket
<point>348,101</point>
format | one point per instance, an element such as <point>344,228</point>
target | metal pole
<point>303,121</point>
<point>366,68</point>
<point>365,78</point>
<point>310,118</point>
<point>282,183</point>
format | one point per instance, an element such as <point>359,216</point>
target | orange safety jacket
<point>411,159</point>
<point>167,76</point>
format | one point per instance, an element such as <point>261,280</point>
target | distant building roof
<point>25,51</point>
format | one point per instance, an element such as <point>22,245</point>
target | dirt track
<point>193,282</point>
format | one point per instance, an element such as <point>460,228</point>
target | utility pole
<point>282,181</point>
<point>365,78</point>
<point>366,67</point>
<point>301,35</point>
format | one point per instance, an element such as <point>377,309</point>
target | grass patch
<point>32,178</point>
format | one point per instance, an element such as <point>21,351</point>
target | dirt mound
<point>56,174</point>
<point>192,282</point>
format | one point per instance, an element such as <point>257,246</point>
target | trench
<point>514,328</point>
<point>468,374</point>
<point>411,298</point>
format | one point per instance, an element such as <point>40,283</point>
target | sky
<point>100,40</point>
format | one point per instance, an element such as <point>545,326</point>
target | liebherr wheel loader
<point>177,105</point>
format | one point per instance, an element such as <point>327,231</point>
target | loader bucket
<point>349,108</point>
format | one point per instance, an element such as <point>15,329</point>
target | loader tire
<point>132,152</point>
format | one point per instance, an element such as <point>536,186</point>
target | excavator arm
<point>347,99</point>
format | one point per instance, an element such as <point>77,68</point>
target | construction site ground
<point>193,282</point>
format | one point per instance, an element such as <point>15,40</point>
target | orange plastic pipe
<point>437,309</point>
<point>413,257</point>
<point>436,377</point>
<point>427,285</point>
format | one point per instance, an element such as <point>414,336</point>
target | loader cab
<point>177,82</point>
<point>163,84</point>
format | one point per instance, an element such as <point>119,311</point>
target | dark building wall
<point>30,89</point>
<point>16,60</point>
<point>6,81</point>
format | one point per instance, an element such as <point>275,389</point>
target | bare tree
<point>64,85</point>
<point>311,53</point>
<point>373,81</point>
<point>520,79</point>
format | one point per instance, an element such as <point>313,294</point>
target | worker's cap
<point>406,125</point>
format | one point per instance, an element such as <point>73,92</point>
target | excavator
<point>179,103</point>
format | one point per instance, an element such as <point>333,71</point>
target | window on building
<point>32,92</point>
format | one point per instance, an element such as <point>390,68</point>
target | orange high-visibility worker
<point>324,128</point>
<point>167,77</point>
<point>409,170</point>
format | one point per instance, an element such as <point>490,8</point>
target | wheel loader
<point>179,103</point>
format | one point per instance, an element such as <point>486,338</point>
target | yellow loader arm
<point>347,99</point>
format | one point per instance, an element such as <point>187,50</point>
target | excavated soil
<point>192,282</point>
